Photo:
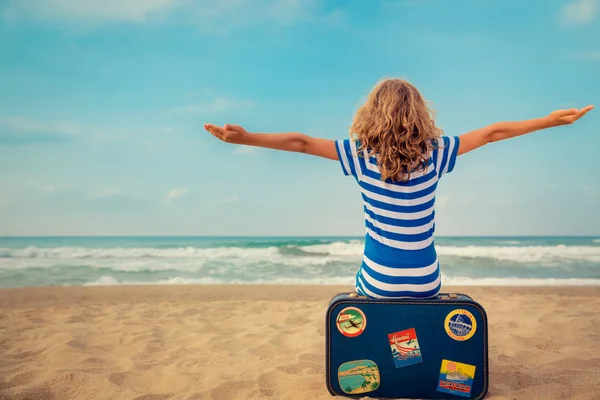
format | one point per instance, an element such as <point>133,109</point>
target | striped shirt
<point>399,256</point>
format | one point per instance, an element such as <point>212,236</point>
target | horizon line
<point>287,236</point>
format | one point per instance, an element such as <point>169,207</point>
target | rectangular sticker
<point>456,378</point>
<point>405,348</point>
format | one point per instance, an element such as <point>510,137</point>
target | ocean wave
<point>596,241</point>
<point>138,252</point>
<point>347,281</point>
<point>172,264</point>
<point>108,280</point>
<point>516,254</point>
<point>351,248</point>
<point>508,242</point>
<point>524,254</point>
<point>318,254</point>
<point>465,281</point>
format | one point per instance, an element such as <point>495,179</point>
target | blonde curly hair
<point>396,126</point>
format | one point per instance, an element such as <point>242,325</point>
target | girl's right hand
<point>567,117</point>
<point>229,133</point>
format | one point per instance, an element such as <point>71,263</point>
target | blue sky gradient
<point>102,107</point>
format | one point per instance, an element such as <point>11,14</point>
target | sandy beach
<point>247,342</point>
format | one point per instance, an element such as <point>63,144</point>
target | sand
<point>247,342</point>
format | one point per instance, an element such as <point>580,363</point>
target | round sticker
<point>351,322</point>
<point>460,325</point>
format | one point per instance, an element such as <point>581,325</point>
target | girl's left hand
<point>229,133</point>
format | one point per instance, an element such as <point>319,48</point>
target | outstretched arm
<point>506,130</point>
<point>292,141</point>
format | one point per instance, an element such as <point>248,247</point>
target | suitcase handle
<point>448,296</point>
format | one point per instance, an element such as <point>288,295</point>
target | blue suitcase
<point>407,348</point>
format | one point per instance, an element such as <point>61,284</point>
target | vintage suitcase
<point>407,348</point>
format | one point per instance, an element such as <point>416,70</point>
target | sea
<point>90,261</point>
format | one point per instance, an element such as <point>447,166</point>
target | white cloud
<point>390,4</point>
<point>442,201</point>
<point>231,199</point>
<point>216,106</point>
<point>4,201</point>
<point>592,193</point>
<point>592,55</point>
<point>91,10</point>
<point>25,124</point>
<point>580,11</point>
<point>19,130</point>
<point>211,16</point>
<point>243,150</point>
<point>175,194</point>
<point>219,17</point>
<point>50,189</point>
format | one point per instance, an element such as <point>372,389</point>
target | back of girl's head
<point>397,127</point>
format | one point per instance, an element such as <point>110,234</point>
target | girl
<point>397,156</point>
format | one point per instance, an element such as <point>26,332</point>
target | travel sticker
<point>356,377</point>
<point>456,378</point>
<point>460,325</point>
<point>351,322</point>
<point>405,347</point>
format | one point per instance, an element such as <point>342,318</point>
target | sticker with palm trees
<point>351,322</point>
<point>356,377</point>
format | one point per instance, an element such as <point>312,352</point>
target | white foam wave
<point>138,252</point>
<point>170,264</point>
<point>465,281</point>
<point>348,280</point>
<point>524,254</point>
<point>111,281</point>
<point>511,253</point>
<point>596,241</point>
<point>352,248</point>
<point>194,259</point>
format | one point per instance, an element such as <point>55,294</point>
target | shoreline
<point>43,295</point>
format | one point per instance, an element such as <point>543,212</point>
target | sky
<point>102,106</point>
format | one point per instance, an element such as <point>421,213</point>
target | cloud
<point>442,201</point>
<point>220,17</point>
<point>16,130</point>
<point>4,201</point>
<point>390,4</point>
<point>175,194</point>
<point>592,55</point>
<point>77,10</point>
<point>19,130</point>
<point>231,199</point>
<point>579,12</point>
<point>592,194</point>
<point>216,106</point>
<point>50,189</point>
<point>210,16</point>
<point>244,150</point>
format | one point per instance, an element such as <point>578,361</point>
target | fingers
<point>584,111</point>
<point>215,130</point>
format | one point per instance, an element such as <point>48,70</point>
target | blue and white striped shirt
<point>399,257</point>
